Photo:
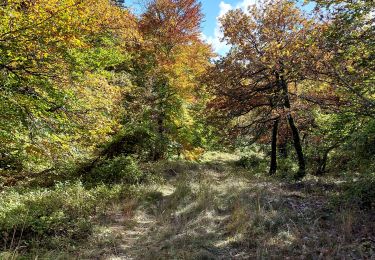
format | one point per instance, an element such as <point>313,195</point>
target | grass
<point>217,210</point>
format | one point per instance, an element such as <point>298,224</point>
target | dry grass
<point>214,210</point>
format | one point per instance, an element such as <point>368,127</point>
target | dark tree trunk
<point>322,162</point>
<point>298,147</point>
<point>296,138</point>
<point>159,150</point>
<point>273,165</point>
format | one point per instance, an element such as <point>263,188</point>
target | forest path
<point>215,210</point>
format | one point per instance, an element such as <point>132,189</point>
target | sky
<point>212,10</point>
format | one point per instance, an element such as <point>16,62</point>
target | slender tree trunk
<point>322,163</point>
<point>296,138</point>
<point>273,165</point>
<point>159,152</point>
<point>160,148</point>
<point>298,147</point>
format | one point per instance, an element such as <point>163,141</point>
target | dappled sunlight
<point>218,214</point>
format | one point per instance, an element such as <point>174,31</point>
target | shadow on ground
<point>217,211</point>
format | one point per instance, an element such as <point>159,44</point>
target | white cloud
<point>215,40</point>
<point>245,3</point>
<point>224,8</point>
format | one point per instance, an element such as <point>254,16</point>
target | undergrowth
<point>120,169</point>
<point>33,216</point>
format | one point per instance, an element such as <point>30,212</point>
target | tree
<point>55,58</point>
<point>348,68</point>
<point>168,70</point>
<point>349,39</point>
<point>259,83</point>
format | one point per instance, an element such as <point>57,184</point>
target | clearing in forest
<point>217,210</point>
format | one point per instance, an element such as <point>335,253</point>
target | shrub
<point>287,167</point>
<point>249,162</point>
<point>361,193</point>
<point>116,170</point>
<point>64,210</point>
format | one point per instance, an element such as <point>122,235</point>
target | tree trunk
<point>162,93</point>
<point>159,150</point>
<point>296,138</point>
<point>322,162</point>
<point>273,165</point>
<point>298,147</point>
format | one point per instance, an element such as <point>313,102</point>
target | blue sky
<point>212,10</point>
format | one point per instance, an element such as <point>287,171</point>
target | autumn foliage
<point>121,129</point>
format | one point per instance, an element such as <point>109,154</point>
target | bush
<point>361,193</point>
<point>64,211</point>
<point>117,170</point>
<point>249,162</point>
<point>287,167</point>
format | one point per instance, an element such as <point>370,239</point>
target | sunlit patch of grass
<point>219,157</point>
<point>215,208</point>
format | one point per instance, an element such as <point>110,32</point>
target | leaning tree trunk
<point>273,165</point>
<point>296,138</point>
<point>298,147</point>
